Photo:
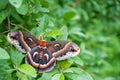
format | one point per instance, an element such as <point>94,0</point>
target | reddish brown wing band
<point>41,59</point>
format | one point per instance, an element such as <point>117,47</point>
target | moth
<point>40,54</point>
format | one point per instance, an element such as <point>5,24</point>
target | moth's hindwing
<point>41,59</point>
<point>23,41</point>
<point>63,49</point>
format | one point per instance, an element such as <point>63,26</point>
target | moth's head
<point>42,41</point>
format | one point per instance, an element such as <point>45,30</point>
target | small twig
<point>13,24</point>
<point>4,32</point>
<point>9,23</point>
<point>20,27</point>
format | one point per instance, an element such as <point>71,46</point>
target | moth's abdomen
<point>41,60</point>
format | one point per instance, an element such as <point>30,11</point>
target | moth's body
<point>40,54</point>
<point>41,60</point>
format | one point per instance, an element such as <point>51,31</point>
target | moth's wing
<point>63,49</point>
<point>23,41</point>
<point>41,60</point>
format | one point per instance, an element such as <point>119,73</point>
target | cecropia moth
<point>40,54</point>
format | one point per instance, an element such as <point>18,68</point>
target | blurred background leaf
<point>15,3</point>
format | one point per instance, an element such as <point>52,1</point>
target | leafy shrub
<point>93,25</point>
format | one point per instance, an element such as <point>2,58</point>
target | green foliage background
<point>92,24</point>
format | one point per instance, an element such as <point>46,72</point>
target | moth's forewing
<point>63,49</point>
<point>23,41</point>
<point>41,60</point>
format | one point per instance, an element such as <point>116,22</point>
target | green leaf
<point>27,69</point>
<point>64,64</point>
<point>4,75</point>
<point>17,17</point>
<point>36,8</point>
<point>69,14</point>
<point>88,52</point>
<point>21,76</point>
<point>43,24</point>
<point>76,31</point>
<point>59,76</point>
<point>16,3</point>
<point>16,56</point>
<point>52,72</point>
<point>3,4</point>
<point>64,35</point>
<point>43,77</point>
<point>78,74</point>
<point>23,9</point>
<point>76,60</point>
<point>46,3</point>
<point>3,62</point>
<point>53,33</point>
<point>40,9</point>
<point>3,54</point>
<point>84,14</point>
<point>71,76</point>
<point>4,14</point>
<point>49,74</point>
<point>1,40</point>
<point>5,70</point>
<point>44,10</point>
<point>84,77</point>
<point>73,70</point>
<point>68,71</point>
